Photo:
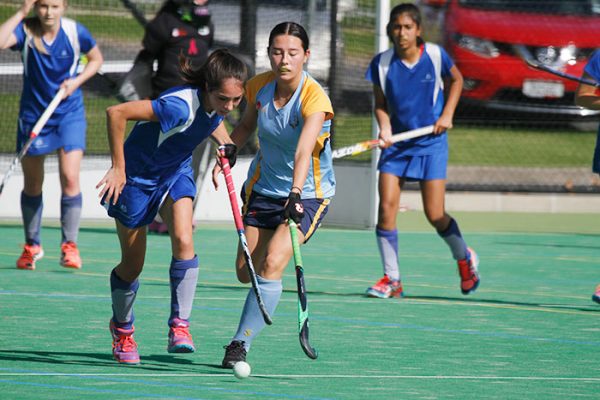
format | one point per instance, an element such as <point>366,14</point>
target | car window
<point>572,7</point>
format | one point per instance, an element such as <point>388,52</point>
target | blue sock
<point>70,213</point>
<point>455,241</point>
<point>123,295</point>
<point>31,209</point>
<point>388,249</point>
<point>251,321</point>
<point>183,276</point>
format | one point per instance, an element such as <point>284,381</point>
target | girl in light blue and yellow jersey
<point>290,177</point>
<point>279,129</point>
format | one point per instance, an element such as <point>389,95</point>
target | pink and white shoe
<point>180,339</point>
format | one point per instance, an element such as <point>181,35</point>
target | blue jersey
<point>593,69</point>
<point>159,152</point>
<point>271,171</point>
<point>414,95</point>
<point>44,73</point>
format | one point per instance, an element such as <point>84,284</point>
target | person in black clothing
<point>180,27</point>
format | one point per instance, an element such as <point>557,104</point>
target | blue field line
<point>150,383</point>
<point>104,391</point>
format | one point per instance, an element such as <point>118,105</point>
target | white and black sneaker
<point>235,352</point>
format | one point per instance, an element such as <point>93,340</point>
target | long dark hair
<point>289,28</point>
<point>405,8</point>
<point>220,65</point>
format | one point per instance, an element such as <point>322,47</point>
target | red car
<point>488,40</point>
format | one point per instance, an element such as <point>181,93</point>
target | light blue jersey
<point>271,171</point>
<point>44,73</point>
<point>414,94</point>
<point>593,69</point>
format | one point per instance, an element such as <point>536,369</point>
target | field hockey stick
<point>530,61</point>
<point>39,125</point>
<point>237,218</point>
<point>361,147</point>
<point>302,300</point>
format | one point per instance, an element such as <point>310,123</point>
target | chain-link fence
<point>516,128</point>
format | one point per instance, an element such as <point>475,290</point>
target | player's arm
<point>116,120</point>
<point>246,127</point>
<point>313,124</point>
<point>7,37</point>
<point>94,62</point>
<point>239,136</point>
<point>220,135</point>
<point>588,96</point>
<point>454,90</point>
<point>382,116</point>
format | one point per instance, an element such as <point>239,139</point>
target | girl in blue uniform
<point>291,176</point>
<point>408,86</point>
<point>50,47</point>
<point>588,96</point>
<point>151,173</point>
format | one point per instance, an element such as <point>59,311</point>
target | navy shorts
<point>138,205</point>
<point>267,213</point>
<point>418,168</point>
<point>69,134</point>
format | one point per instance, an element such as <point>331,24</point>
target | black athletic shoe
<point>233,353</point>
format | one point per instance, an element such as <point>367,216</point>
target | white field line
<point>327,376</point>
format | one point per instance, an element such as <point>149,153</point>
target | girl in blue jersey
<point>50,47</point>
<point>291,176</point>
<point>151,173</point>
<point>408,86</point>
<point>588,96</point>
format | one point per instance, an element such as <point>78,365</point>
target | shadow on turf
<point>155,362</point>
<point>541,306</point>
<point>555,245</point>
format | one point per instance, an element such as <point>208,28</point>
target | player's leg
<point>390,187</point>
<point>269,262</point>
<point>124,285</point>
<point>183,271</point>
<point>32,206</point>
<point>70,206</point>
<point>433,194</point>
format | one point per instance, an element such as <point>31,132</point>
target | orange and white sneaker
<point>469,273</point>
<point>31,253</point>
<point>386,288</point>
<point>70,255</point>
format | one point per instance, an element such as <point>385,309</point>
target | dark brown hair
<point>405,8</point>
<point>289,28</point>
<point>220,65</point>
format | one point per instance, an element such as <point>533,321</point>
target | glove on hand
<point>294,208</point>
<point>229,151</point>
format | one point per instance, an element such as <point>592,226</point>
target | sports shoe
<point>386,288</point>
<point>124,346</point>
<point>180,340</point>
<point>469,275</point>
<point>158,227</point>
<point>31,253</point>
<point>235,352</point>
<point>596,296</point>
<point>70,255</point>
